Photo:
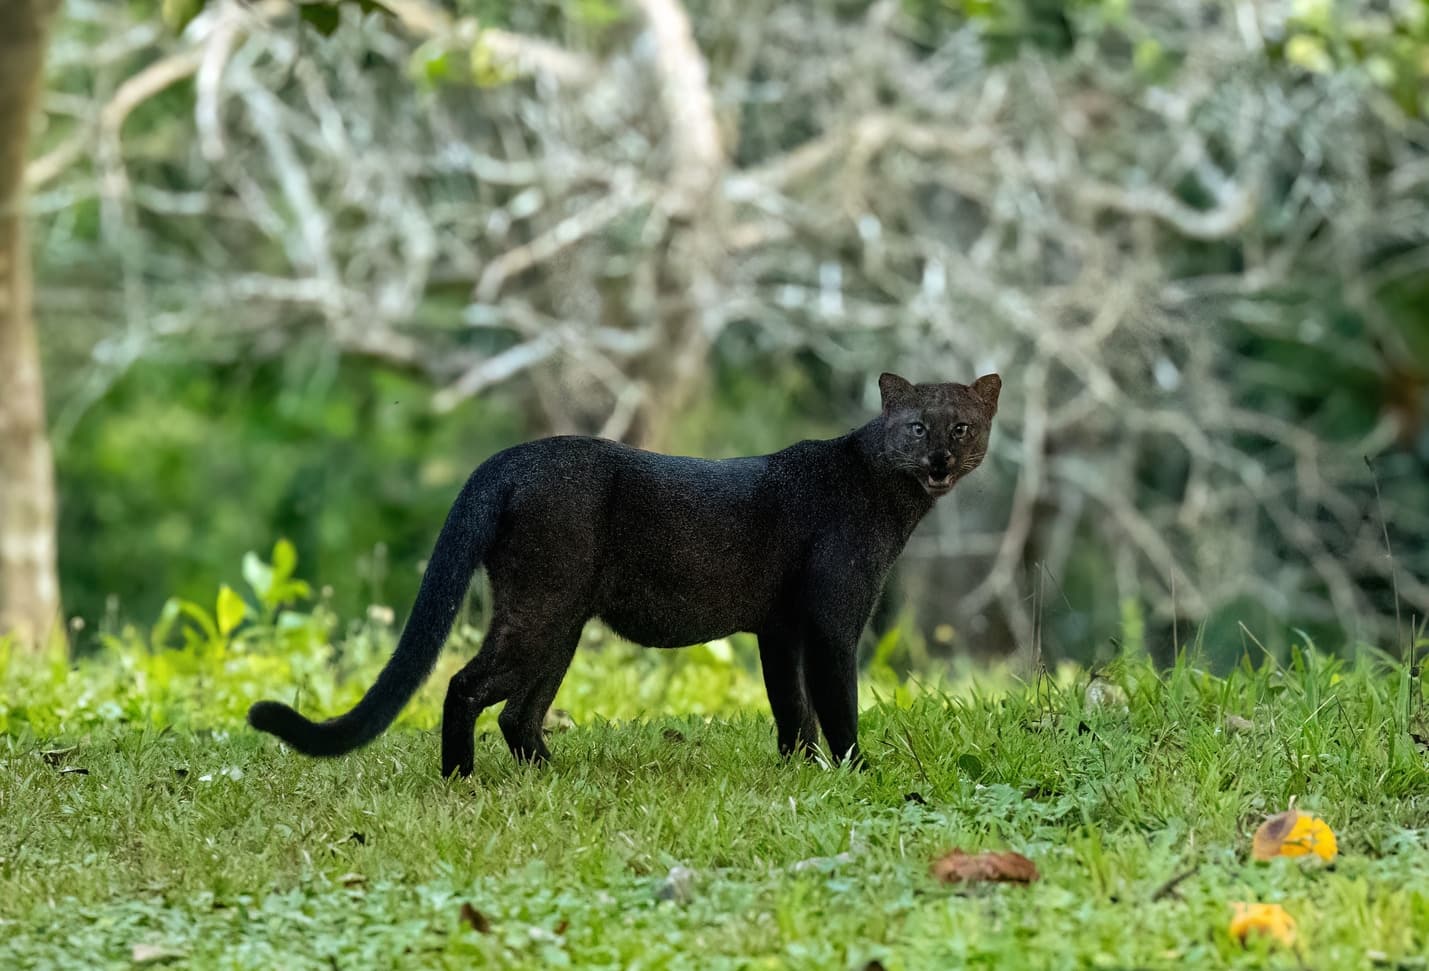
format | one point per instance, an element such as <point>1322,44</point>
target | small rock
<point>678,885</point>
<point>1236,725</point>
<point>557,720</point>
<point>1103,694</point>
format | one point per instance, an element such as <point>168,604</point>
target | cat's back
<point>577,469</point>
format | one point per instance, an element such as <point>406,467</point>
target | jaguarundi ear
<point>896,391</point>
<point>987,388</point>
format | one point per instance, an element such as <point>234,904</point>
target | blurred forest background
<point>297,268</point>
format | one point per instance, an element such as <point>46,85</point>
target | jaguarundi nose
<point>937,462</point>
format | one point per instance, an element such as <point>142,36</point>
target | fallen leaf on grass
<point>73,770</point>
<point>57,755</point>
<point>673,735</point>
<point>352,879</point>
<point>1262,920</point>
<point>152,954</point>
<point>1293,833</point>
<point>957,866</point>
<point>474,919</point>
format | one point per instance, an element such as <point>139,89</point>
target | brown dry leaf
<point>1293,833</point>
<point>958,866</point>
<point>475,919</point>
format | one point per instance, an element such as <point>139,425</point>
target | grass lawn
<point>217,848</point>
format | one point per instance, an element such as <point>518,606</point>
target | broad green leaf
<point>200,617</point>
<point>230,610</point>
<point>285,560</point>
<point>290,592</point>
<point>164,626</point>
<point>258,574</point>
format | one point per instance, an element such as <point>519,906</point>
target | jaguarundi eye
<point>960,429</point>
<point>917,429</point>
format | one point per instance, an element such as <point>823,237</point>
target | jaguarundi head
<point>937,432</point>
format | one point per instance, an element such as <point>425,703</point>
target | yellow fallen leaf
<point>1293,833</point>
<point>1262,920</point>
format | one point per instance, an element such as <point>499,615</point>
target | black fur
<point>670,551</point>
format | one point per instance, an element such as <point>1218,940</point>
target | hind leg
<point>492,676</point>
<point>521,720</point>
<point>541,596</point>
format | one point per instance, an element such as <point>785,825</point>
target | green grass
<point>192,834</point>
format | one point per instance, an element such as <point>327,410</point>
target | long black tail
<point>461,547</point>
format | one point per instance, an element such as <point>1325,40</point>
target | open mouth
<point>938,484</point>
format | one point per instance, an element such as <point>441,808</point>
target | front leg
<point>781,656</point>
<point>831,668</point>
<point>844,576</point>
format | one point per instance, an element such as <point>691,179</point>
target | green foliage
<point>166,481</point>
<point>1387,44</point>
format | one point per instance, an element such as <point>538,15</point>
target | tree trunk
<point>691,256</point>
<point>29,585</point>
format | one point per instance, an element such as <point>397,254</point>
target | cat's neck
<point>901,494</point>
